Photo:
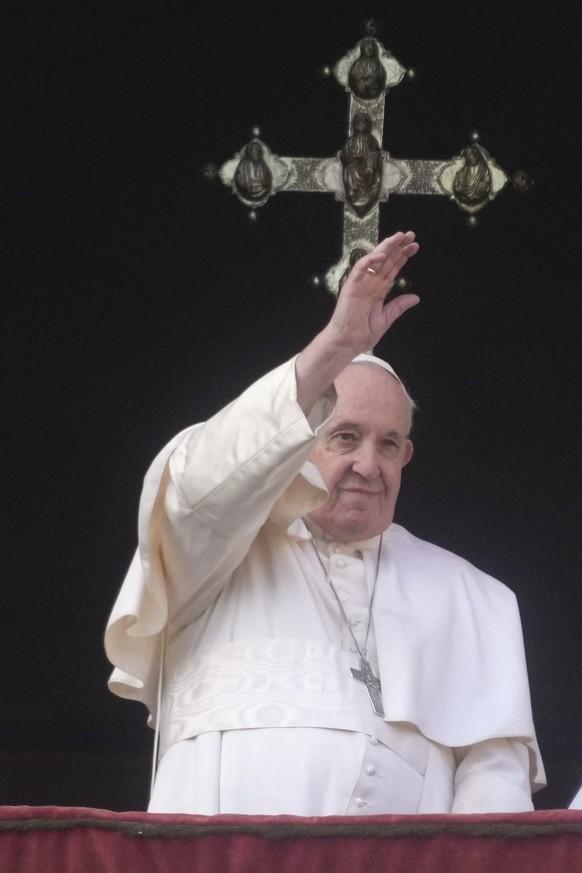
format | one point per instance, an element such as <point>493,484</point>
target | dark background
<point>139,297</point>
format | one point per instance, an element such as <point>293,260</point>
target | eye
<point>390,444</point>
<point>344,436</point>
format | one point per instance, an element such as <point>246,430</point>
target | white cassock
<point>258,710</point>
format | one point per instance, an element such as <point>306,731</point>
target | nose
<point>365,461</point>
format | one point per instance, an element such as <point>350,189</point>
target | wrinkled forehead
<point>371,382</point>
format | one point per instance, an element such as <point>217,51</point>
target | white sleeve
<point>492,776</point>
<point>223,481</point>
<point>204,498</point>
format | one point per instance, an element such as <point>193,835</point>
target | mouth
<point>366,492</point>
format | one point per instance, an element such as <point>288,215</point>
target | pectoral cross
<point>366,675</point>
<point>363,174</point>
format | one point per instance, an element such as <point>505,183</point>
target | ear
<point>408,452</point>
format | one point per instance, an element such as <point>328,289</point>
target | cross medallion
<point>366,675</point>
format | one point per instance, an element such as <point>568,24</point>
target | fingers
<point>398,306</point>
<point>395,244</point>
<point>396,254</point>
<point>387,259</point>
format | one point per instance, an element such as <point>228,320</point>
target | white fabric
<point>367,358</point>
<point>577,801</point>
<point>255,645</point>
<point>287,771</point>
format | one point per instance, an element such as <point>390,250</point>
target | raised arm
<point>361,317</point>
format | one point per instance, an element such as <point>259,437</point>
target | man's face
<point>361,454</point>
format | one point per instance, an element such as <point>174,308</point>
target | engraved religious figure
<point>367,76</point>
<point>336,275</point>
<point>472,179</point>
<point>355,255</point>
<point>472,182</point>
<point>252,176</point>
<point>368,71</point>
<point>361,159</point>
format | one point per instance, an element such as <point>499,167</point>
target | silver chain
<point>362,651</point>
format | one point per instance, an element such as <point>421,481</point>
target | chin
<point>356,529</point>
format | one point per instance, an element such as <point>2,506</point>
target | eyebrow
<point>346,424</point>
<point>343,424</point>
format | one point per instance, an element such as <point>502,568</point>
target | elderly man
<point>299,652</point>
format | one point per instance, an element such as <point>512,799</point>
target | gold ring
<point>370,270</point>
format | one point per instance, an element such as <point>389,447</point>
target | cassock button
<point>374,741</point>
<point>371,771</point>
<point>341,563</point>
<point>360,802</point>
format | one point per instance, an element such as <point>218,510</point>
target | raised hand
<point>361,317</point>
<point>362,314</point>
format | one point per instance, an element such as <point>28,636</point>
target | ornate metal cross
<point>363,174</point>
